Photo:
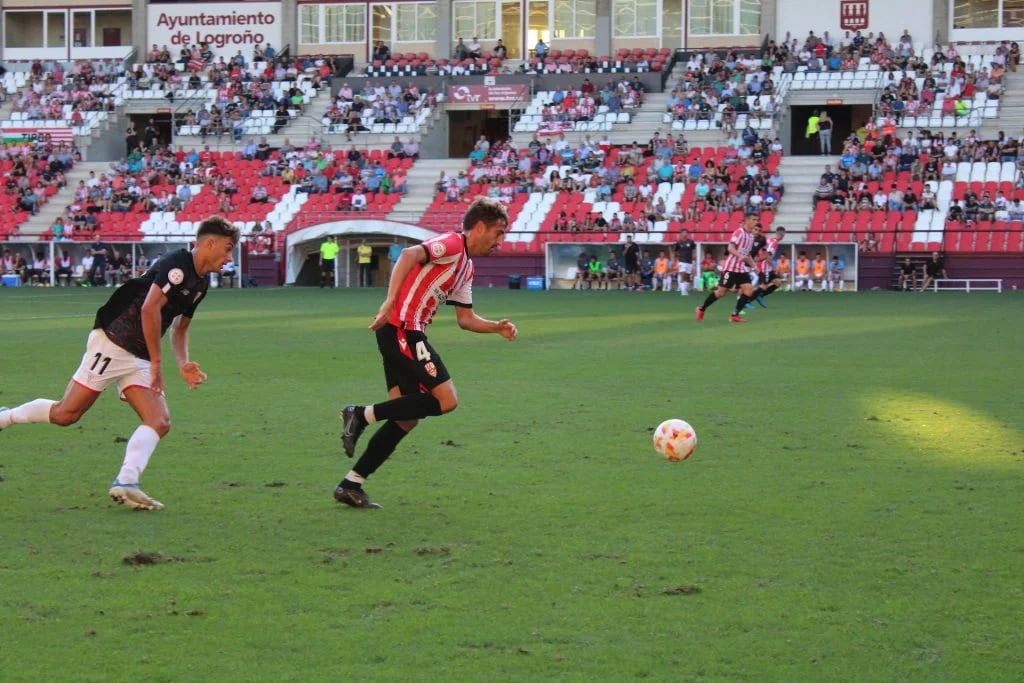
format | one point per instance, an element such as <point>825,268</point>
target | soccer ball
<point>675,440</point>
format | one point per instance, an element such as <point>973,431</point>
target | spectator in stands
<point>461,51</point>
<point>259,194</point>
<point>541,49</point>
<point>499,51</point>
<point>986,208</point>
<point>381,52</point>
<point>824,190</point>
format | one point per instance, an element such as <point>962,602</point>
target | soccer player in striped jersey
<point>735,274</point>
<point>440,270</point>
<point>770,280</point>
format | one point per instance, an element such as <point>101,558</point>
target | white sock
<point>32,412</point>
<point>368,414</point>
<point>136,454</point>
<point>355,477</point>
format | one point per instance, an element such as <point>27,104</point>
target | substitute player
<point>124,349</point>
<point>735,274</point>
<point>440,270</point>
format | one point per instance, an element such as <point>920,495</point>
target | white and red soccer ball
<point>675,440</point>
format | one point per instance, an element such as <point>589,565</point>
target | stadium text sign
<point>853,15</point>
<point>225,27</point>
<point>488,94</point>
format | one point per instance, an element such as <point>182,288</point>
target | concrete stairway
<point>1011,109</point>
<point>54,208</point>
<point>801,175</point>
<point>420,181</point>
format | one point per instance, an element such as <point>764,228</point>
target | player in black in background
<point>631,264</point>
<point>124,349</point>
<point>685,249</point>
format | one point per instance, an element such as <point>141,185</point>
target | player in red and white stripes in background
<point>735,274</point>
<point>440,270</point>
<point>769,279</point>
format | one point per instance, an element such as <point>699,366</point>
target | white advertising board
<point>225,27</point>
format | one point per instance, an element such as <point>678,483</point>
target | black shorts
<point>768,277</point>
<point>327,266</point>
<point>731,279</point>
<point>410,362</point>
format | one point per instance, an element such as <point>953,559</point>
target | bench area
<point>967,284</point>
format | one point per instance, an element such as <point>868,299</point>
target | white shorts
<point>685,269</point>
<point>105,363</point>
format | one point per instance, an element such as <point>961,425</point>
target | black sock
<point>769,289</point>
<point>361,415</point>
<point>741,303</point>
<point>410,407</point>
<point>379,448</point>
<point>707,302</point>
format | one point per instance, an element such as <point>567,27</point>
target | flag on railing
<point>19,136</point>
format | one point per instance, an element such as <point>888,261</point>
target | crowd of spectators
<point>53,93</point>
<point>893,174</point>
<point>737,179</point>
<point>239,86</point>
<point>32,172</point>
<point>564,107</point>
<point>376,102</point>
<point>731,85</point>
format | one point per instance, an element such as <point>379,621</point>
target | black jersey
<point>684,250</point>
<point>760,242</point>
<point>121,316</point>
<point>631,255</point>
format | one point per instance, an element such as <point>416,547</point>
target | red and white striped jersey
<point>744,242</point>
<point>446,276</point>
<point>770,248</point>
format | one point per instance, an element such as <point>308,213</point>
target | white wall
<point>887,16</point>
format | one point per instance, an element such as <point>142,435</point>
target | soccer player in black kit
<point>124,349</point>
<point>685,249</point>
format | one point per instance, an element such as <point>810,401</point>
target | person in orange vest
<point>661,273</point>
<point>819,272</point>
<point>783,269</point>
<point>803,271</point>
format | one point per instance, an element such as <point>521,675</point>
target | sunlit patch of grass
<point>932,425</point>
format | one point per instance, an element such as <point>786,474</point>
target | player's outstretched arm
<point>189,370</point>
<point>469,320</point>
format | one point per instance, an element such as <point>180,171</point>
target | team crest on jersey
<point>430,368</point>
<point>437,249</point>
<point>184,292</point>
<point>176,276</point>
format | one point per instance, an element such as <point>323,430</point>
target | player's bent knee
<point>448,404</point>
<point>64,418</point>
<point>408,425</point>
<point>161,426</point>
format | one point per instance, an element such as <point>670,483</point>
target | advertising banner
<point>226,28</point>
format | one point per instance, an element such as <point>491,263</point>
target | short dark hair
<point>484,209</point>
<point>217,226</point>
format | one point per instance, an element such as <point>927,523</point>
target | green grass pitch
<point>854,511</point>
